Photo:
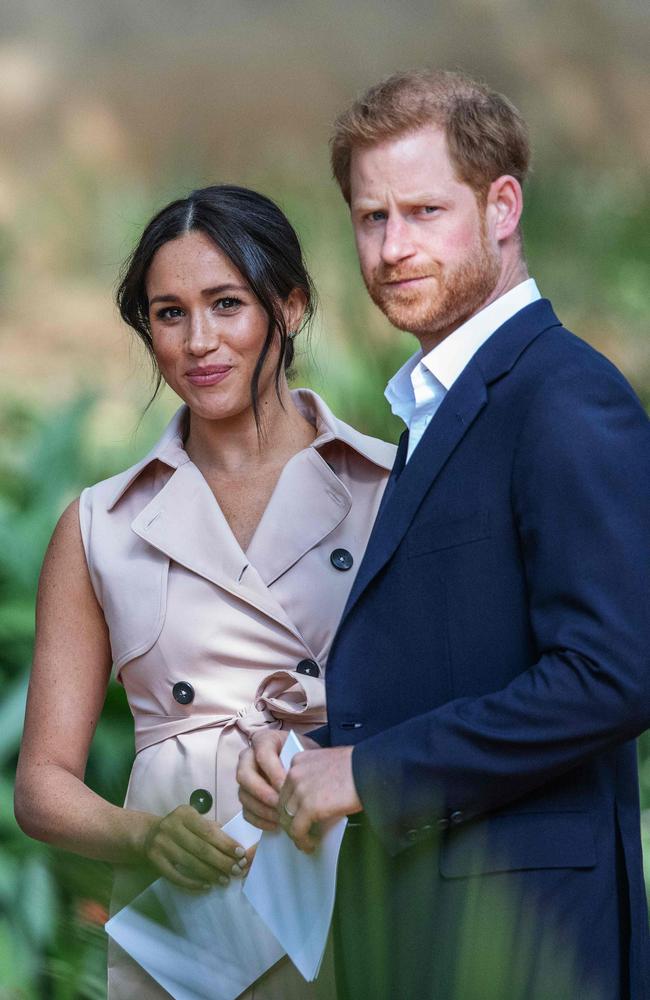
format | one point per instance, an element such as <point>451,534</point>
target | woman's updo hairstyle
<point>255,235</point>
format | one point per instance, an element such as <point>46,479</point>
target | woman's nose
<point>203,336</point>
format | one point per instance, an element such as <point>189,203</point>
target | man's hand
<point>261,776</point>
<point>319,786</point>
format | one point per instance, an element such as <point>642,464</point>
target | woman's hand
<point>194,852</point>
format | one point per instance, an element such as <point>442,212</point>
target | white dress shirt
<point>416,391</point>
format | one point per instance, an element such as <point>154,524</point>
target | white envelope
<point>210,946</point>
<point>298,910</point>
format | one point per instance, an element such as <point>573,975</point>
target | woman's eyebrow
<point>215,290</point>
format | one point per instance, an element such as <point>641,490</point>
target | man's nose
<point>202,335</point>
<point>398,241</point>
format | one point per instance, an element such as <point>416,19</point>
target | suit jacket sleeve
<point>580,499</point>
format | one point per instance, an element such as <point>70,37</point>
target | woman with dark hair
<point>211,575</point>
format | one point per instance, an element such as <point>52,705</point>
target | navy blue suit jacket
<point>492,666</point>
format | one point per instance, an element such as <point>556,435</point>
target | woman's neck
<point>233,446</point>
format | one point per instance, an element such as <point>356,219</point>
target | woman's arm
<point>70,674</point>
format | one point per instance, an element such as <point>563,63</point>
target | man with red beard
<point>491,669</point>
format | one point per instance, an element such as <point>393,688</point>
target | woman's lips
<point>210,375</point>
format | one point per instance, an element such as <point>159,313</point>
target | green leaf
<point>12,714</point>
<point>38,903</point>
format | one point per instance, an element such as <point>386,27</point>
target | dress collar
<point>170,450</point>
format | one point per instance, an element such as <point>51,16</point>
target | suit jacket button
<point>443,823</point>
<point>341,559</point>
<point>183,692</point>
<point>412,834</point>
<point>309,667</point>
<point>456,817</point>
<point>201,800</point>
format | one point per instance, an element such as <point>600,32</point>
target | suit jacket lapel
<point>396,471</point>
<point>457,412</point>
<point>185,522</point>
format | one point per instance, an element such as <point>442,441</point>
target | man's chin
<point>410,320</point>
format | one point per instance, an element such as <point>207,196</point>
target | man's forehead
<point>415,162</point>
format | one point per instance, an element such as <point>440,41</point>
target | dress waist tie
<point>283,699</point>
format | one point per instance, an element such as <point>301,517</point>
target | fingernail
<point>236,870</point>
<point>224,880</point>
<point>243,863</point>
<point>239,852</point>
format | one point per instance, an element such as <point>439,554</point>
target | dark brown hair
<point>255,235</point>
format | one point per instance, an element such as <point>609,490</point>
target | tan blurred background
<point>109,109</point>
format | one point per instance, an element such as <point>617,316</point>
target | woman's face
<point>207,327</point>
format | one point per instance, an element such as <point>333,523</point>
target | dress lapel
<point>309,502</point>
<point>185,522</point>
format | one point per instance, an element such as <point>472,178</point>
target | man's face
<point>427,257</point>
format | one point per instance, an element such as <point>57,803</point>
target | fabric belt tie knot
<point>283,698</point>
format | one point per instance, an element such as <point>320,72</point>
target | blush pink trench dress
<point>211,642</point>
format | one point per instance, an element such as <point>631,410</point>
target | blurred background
<point>109,110</point>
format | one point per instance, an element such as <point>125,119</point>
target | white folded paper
<point>294,892</point>
<point>206,947</point>
<point>214,945</point>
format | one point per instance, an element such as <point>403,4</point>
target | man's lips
<point>406,282</point>
<point>208,374</point>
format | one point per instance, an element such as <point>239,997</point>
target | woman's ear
<point>293,309</point>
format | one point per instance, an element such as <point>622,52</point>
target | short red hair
<point>486,135</point>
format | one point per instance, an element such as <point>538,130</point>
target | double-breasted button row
<point>341,559</point>
<point>183,692</point>
<point>308,667</point>
<point>201,800</point>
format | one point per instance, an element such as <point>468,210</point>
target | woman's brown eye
<point>170,312</point>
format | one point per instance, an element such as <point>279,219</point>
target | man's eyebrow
<point>416,198</point>
<point>214,290</point>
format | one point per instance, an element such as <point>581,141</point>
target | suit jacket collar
<point>457,412</point>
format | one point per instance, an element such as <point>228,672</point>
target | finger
<point>191,866</point>
<point>213,834</point>
<point>251,780</point>
<point>257,821</point>
<point>178,878</point>
<point>288,811</point>
<point>202,852</point>
<point>254,807</point>
<point>304,832</point>
<point>267,757</point>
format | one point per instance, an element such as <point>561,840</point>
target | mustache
<point>386,274</point>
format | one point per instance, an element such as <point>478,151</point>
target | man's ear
<point>294,308</point>
<point>504,207</point>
